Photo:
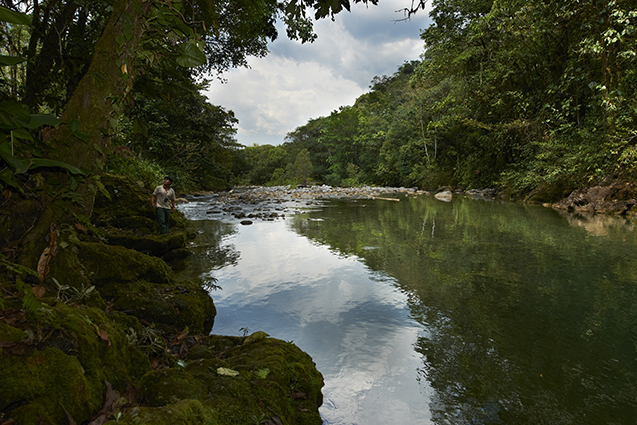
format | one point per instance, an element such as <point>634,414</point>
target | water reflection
<point>353,323</point>
<point>530,320</point>
<point>423,311</point>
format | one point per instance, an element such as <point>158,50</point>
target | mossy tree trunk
<point>93,106</point>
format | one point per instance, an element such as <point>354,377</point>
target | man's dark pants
<point>163,219</point>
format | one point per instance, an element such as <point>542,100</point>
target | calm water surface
<point>427,312</point>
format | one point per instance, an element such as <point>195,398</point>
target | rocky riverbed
<point>249,203</point>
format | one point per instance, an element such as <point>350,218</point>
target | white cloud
<point>296,82</point>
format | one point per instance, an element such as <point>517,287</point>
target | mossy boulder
<point>59,371</point>
<point>156,245</point>
<point>126,218</point>
<point>184,412</point>
<point>241,380</point>
<point>109,264</point>
<point>173,306</point>
<point>126,206</point>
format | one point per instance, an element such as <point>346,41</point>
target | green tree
<point>101,49</point>
<point>303,166</point>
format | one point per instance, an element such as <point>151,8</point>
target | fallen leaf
<point>183,350</point>
<point>43,263</point>
<point>81,228</point>
<point>70,418</point>
<point>181,335</point>
<point>38,291</point>
<point>102,334</point>
<point>48,253</point>
<point>275,420</point>
<point>224,371</point>
<point>110,397</point>
<point>12,316</point>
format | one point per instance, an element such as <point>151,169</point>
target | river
<point>429,312</point>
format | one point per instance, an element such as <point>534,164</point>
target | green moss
<point>9,334</point>
<point>162,387</point>
<point>290,390</point>
<point>184,412</point>
<point>101,345</point>
<point>115,263</point>
<point>156,245</point>
<point>46,385</point>
<point>177,306</point>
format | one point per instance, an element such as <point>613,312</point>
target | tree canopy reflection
<point>530,314</point>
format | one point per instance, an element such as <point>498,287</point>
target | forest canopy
<point>516,95</point>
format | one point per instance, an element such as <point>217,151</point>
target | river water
<point>429,312</point>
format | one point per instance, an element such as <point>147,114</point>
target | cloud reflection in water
<point>353,322</point>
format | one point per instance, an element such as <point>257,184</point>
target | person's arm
<point>172,201</point>
<point>153,199</point>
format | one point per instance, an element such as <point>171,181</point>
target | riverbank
<point>104,332</point>
<point>246,203</point>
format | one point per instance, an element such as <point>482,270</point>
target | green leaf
<point>21,133</point>
<point>42,162</point>
<point>8,15</point>
<point>127,29</point>
<point>16,109</point>
<point>11,60</point>
<point>102,189</point>
<point>20,166</point>
<point>74,125</point>
<point>82,136</point>
<point>38,120</point>
<point>7,176</point>
<point>190,56</point>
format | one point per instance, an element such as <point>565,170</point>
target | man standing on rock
<point>163,200</point>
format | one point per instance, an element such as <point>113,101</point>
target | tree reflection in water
<point>530,313</point>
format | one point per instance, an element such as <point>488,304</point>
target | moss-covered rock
<point>243,380</point>
<point>128,207</point>
<point>184,412</point>
<point>108,264</point>
<point>126,218</point>
<point>176,305</point>
<point>43,386</point>
<point>157,245</point>
<point>61,370</point>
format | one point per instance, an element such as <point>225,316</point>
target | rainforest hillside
<point>514,95</point>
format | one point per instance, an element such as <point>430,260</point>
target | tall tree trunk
<point>92,105</point>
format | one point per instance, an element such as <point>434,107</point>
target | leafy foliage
<point>509,94</point>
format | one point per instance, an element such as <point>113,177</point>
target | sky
<point>297,82</point>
